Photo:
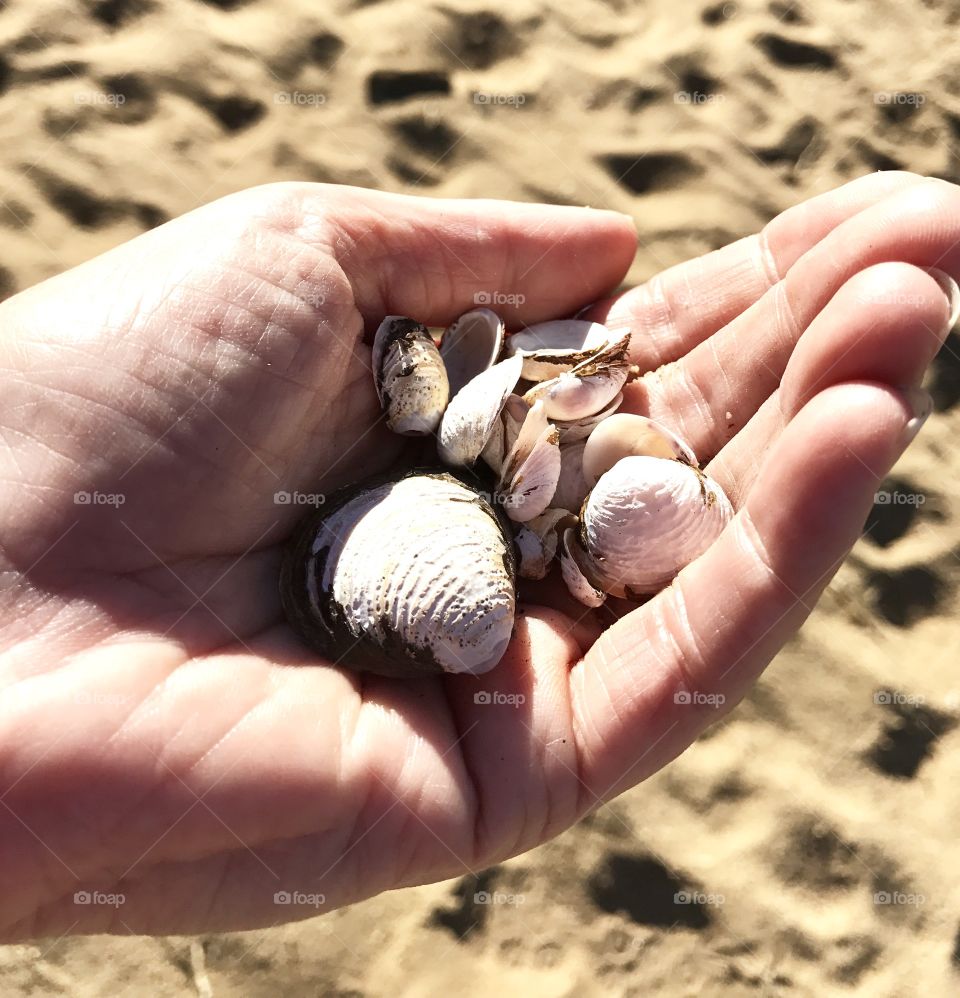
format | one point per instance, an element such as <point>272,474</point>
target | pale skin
<point>163,734</point>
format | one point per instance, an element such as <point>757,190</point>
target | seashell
<point>470,346</point>
<point>580,429</point>
<point>551,348</point>
<point>505,432</point>
<point>405,577</point>
<point>589,387</point>
<point>626,435</point>
<point>538,539</point>
<point>409,376</point>
<point>472,413</point>
<point>572,487</point>
<point>574,573</point>
<point>531,471</point>
<point>644,520</point>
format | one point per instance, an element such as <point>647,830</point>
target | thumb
<point>433,259</point>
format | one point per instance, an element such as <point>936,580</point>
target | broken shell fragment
<point>531,471</point>
<point>404,578</point>
<point>627,435</point>
<point>470,346</point>
<point>588,388</point>
<point>409,376</point>
<point>470,417</point>
<point>572,487</point>
<point>580,429</point>
<point>537,542</point>
<point>505,432</point>
<point>646,519</point>
<point>551,348</point>
<point>574,575</point>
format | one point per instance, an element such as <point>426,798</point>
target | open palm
<point>171,758</point>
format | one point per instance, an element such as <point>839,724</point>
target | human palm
<point>165,737</point>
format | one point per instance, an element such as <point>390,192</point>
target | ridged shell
<point>409,376</point>
<point>647,518</point>
<point>404,578</point>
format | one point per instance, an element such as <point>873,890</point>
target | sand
<point>836,780</point>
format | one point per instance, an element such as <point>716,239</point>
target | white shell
<point>537,542</point>
<point>550,348</point>
<point>531,471</point>
<point>409,376</point>
<point>647,518</point>
<point>470,346</point>
<point>589,387</point>
<point>580,429</point>
<point>572,487</point>
<point>580,586</point>
<point>625,435</point>
<point>416,567</point>
<point>505,432</point>
<point>470,417</point>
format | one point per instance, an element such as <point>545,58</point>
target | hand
<point>169,748</point>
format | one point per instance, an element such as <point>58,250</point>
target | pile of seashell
<point>414,573</point>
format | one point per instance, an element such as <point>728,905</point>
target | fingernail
<point>951,289</point>
<point>922,405</point>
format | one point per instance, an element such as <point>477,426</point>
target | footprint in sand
<point>647,892</point>
<point>909,735</point>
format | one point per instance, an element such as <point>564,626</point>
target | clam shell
<point>409,376</point>
<point>470,417</point>
<point>404,578</point>
<point>572,487</point>
<point>647,518</point>
<point>538,539</point>
<point>550,348</point>
<point>580,429</point>
<point>505,432</point>
<point>577,579</point>
<point>470,346</point>
<point>531,471</point>
<point>589,387</point>
<point>626,435</point>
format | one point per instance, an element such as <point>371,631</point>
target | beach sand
<point>834,785</point>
